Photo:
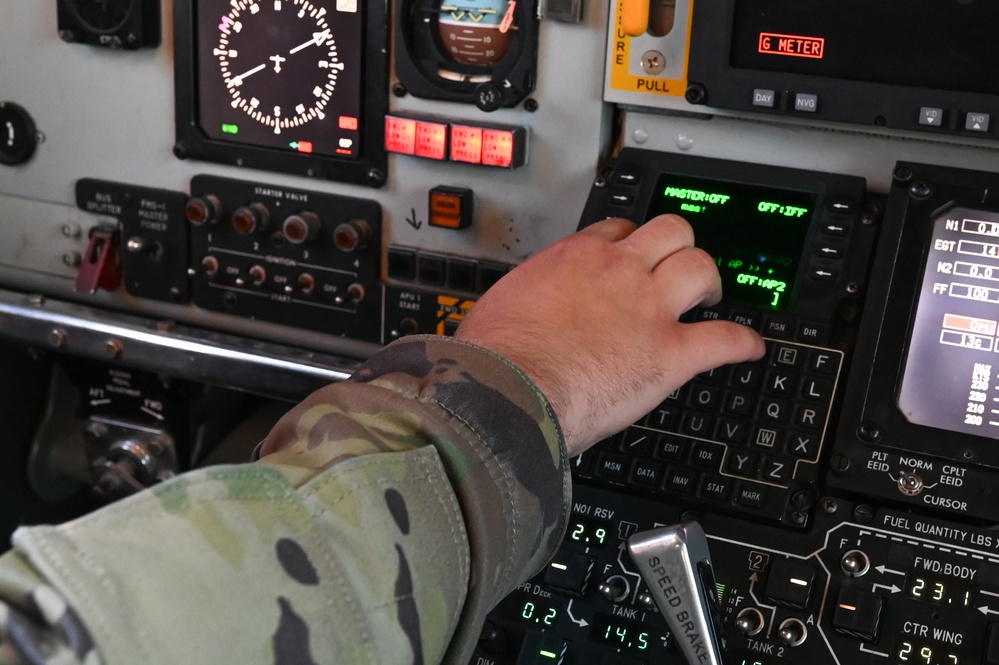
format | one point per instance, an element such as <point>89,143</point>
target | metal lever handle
<point>675,564</point>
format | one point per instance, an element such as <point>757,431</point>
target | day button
<point>763,97</point>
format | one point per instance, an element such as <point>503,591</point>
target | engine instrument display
<point>754,233</point>
<point>280,85</point>
<point>950,377</point>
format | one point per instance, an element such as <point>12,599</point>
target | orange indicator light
<point>348,122</point>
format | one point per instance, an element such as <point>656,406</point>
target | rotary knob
<point>251,218</point>
<point>18,136</point>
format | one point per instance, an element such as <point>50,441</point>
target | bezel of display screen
<point>888,340</point>
<point>909,92</point>
<point>202,100</point>
<point>901,40</point>
<point>755,233</point>
<point>947,380</point>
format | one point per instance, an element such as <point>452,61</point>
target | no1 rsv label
<point>951,377</point>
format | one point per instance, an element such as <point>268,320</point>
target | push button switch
<point>790,583</point>
<point>569,572</point>
<point>539,648</point>
<point>858,614</point>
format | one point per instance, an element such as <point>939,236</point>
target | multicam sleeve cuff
<point>386,516</point>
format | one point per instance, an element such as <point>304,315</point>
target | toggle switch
<point>675,563</point>
<point>99,269</point>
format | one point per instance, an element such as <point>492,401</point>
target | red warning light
<point>348,122</point>
<point>400,135</point>
<point>304,146</point>
<point>793,45</point>
<point>497,147</point>
<point>466,144</point>
<point>431,140</point>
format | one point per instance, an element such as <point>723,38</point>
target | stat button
<point>858,614</point>
<point>790,583</point>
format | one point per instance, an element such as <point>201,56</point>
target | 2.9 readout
<point>589,532</point>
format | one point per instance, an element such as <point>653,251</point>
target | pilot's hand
<point>593,321</point>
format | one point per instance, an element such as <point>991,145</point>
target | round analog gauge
<point>279,61</point>
<point>102,15</point>
<point>476,32</point>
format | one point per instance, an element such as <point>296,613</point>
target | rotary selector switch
<point>18,135</point>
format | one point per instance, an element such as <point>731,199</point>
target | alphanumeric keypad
<point>733,435</point>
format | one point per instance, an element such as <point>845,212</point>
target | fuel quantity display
<point>755,233</point>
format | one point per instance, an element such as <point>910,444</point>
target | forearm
<point>401,504</point>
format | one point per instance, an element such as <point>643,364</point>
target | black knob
<point>203,209</point>
<point>251,218</point>
<point>351,235</point>
<point>18,136</point>
<point>301,227</point>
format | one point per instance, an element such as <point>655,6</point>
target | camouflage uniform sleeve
<point>385,516</point>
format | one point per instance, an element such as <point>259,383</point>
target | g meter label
<point>949,380</point>
<point>793,45</point>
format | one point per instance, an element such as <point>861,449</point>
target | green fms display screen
<point>755,233</point>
